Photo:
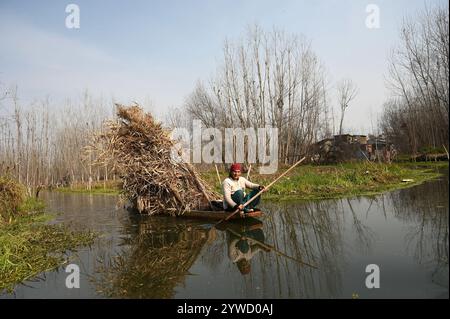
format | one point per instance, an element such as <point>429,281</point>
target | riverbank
<point>101,188</point>
<point>310,182</point>
<point>29,245</point>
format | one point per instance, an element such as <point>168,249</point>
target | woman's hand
<point>262,188</point>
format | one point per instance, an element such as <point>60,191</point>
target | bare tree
<point>267,78</point>
<point>3,92</point>
<point>417,114</point>
<point>42,144</point>
<point>346,91</point>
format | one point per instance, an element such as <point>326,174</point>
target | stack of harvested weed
<point>140,150</point>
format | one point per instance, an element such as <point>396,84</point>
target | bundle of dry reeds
<point>141,152</point>
<point>12,195</point>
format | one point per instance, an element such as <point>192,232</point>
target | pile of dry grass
<point>140,150</point>
<point>12,195</point>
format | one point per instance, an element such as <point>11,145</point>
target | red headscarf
<point>235,167</point>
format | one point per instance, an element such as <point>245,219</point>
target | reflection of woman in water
<point>241,249</point>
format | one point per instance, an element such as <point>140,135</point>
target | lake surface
<point>404,233</point>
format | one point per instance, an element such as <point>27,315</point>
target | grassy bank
<point>333,181</point>
<point>29,245</point>
<point>108,188</point>
<point>316,182</point>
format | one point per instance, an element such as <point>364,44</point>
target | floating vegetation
<point>28,244</point>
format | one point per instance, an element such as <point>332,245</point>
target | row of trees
<point>416,116</point>
<point>42,144</point>
<point>266,79</point>
<point>269,79</point>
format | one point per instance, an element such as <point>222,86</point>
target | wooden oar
<point>261,191</point>
<point>446,151</point>
<point>273,249</point>
<point>249,169</point>
<point>218,175</point>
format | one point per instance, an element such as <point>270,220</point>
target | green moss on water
<point>29,245</point>
<point>310,182</point>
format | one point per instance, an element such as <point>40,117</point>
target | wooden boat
<point>218,215</point>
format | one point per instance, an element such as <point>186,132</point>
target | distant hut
<point>341,148</point>
<point>378,148</point>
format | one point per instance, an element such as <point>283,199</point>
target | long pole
<point>218,175</point>
<point>272,248</point>
<point>261,191</point>
<point>445,150</point>
<point>249,169</point>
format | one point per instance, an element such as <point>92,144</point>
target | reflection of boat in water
<point>157,255</point>
<point>241,225</point>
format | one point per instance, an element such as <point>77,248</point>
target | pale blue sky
<point>134,50</point>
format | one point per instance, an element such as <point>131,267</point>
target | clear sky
<point>158,50</point>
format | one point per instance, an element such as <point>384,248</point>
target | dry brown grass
<point>141,152</point>
<point>12,195</point>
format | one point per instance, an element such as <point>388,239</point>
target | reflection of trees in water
<point>314,232</point>
<point>155,260</point>
<point>426,206</point>
<point>157,253</point>
<point>213,255</point>
<point>364,234</point>
<point>311,232</point>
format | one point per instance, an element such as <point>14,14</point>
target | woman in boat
<point>234,195</point>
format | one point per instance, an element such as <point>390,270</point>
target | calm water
<point>404,232</point>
